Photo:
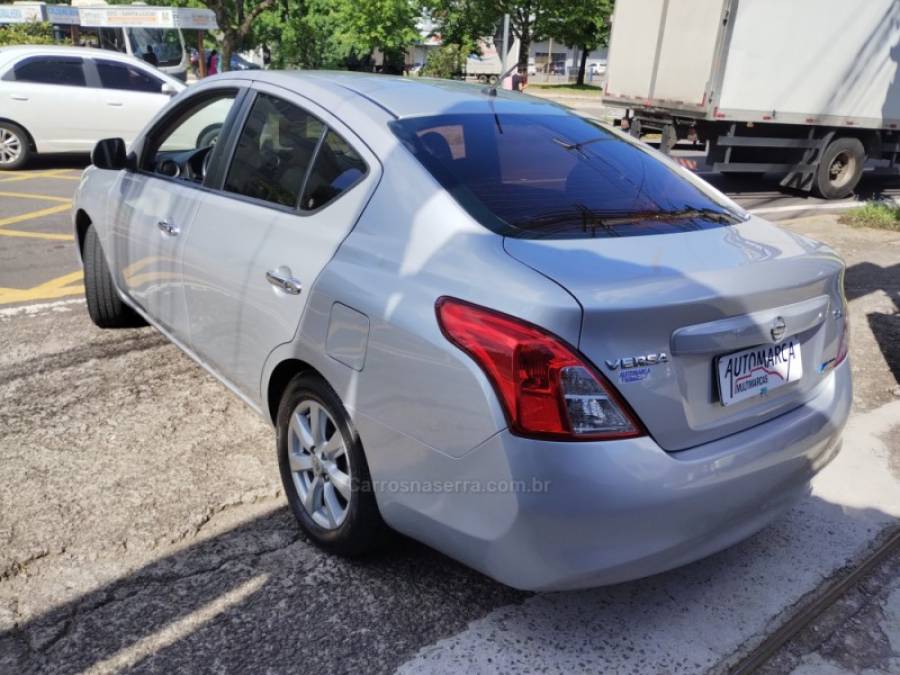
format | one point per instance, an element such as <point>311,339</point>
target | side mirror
<point>109,154</point>
<point>168,89</point>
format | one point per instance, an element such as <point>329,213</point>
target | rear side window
<point>64,71</point>
<point>274,152</point>
<point>126,77</point>
<point>557,176</point>
<point>337,168</point>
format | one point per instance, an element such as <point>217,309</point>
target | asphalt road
<point>142,525</point>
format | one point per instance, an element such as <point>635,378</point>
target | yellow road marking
<point>36,235</point>
<point>65,205</point>
<point>55,173</point>
<point>33,215</point>
<point>32,195</point>
<point>59,287</point>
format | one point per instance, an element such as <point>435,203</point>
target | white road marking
<point>40,307</point>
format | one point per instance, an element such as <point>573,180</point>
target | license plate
<point>757,371</point>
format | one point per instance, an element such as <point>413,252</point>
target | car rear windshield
<point>558,176</point>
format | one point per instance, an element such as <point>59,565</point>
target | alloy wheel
<point>320,464</point>
<point>10,147</point>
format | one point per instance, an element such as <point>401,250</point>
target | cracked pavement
<point>142,528</point>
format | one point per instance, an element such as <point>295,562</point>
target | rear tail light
<point>546,388</point>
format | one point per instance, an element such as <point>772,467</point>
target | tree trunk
<point>229,41</point>
<point>582,67</point>
<point>524,45</point>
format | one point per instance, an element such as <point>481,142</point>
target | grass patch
<point>568,89</point>
<point>878,215</point>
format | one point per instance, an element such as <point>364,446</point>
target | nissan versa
<point>514,334</point>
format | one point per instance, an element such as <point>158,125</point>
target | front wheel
<point>324,470</point>
<point>15,148</point>
<point>840,168</point>
<point>105,307</point>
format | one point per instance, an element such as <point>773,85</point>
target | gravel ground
<point>142,527</point>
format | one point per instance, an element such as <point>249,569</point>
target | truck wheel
<point>15,146</point>
<point>105,307</point>
<point>840,168</point>
<point>483,79</point>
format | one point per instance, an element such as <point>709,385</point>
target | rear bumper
<point>554,515</point>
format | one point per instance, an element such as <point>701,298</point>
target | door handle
<point>18,97</point>
<point>282,279</point>
<point>168,228</point>
<point>115,104</point>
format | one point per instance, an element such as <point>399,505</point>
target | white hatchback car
<point>65,99</point>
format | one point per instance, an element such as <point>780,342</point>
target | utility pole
<point>505,43</point>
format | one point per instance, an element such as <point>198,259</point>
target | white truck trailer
<point>804,88</point>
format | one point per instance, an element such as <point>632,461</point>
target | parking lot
<point>142,523</point>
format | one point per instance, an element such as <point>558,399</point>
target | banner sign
<point>148,17</point>
<point>21,13</point>
<point>62,15</point>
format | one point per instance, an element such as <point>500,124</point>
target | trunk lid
<point>696,296</point>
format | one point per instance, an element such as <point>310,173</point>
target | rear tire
<point>15,147</point>
<point>840,168</point>
<point>311,473</point>
<point>105,307</point>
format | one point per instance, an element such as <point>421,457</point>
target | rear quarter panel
<point>412,245</point>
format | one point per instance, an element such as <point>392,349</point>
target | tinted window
<point>55,70</point>
<point>337,169</point>
<point>124,76</point>
<point>274,152</point>
<point>557,176</point>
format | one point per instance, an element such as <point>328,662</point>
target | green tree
<point>386,25</point>
<point>235,19</point>
<point>338,33</point>
<point>32,33</point>
<point>473,19</point>
<point>580,23</point>
<point>445,61</point>
<point>462,23</point>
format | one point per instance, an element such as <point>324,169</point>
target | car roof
<point>407,96</point>
<point>62,50</point>
<point>8,54</point>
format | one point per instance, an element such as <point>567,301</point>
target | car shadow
<point>259,597</point>
<point>66,161</point>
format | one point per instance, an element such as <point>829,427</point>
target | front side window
<point>64,71</point>
<point>126,77</point>
<point>273,152</point>
<point>183,145</point>
<point>557,176</point>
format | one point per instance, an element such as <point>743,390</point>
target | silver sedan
<point>512,333</point>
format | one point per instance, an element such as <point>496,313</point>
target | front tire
<point>105,307</point>
<point>324,470</point>
<point>15,147</point>
<point>840,168</point>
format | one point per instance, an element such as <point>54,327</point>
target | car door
<point>296,184</point>
<point>158,202</point>
<point>128,96</point>
<point>48,95</point>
